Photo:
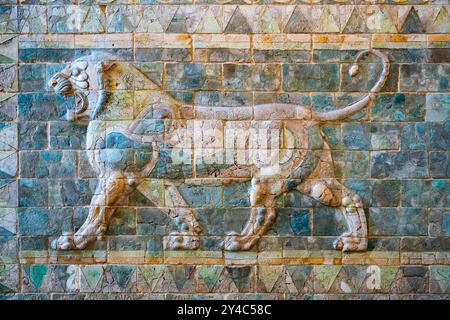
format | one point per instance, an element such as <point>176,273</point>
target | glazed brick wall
<point>394,154</point>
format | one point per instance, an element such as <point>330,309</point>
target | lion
<point>303,162</point>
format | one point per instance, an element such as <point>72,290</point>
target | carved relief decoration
<point>303,161</point>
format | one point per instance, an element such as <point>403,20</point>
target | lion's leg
<point>189,227</point>
<point>332,193</point>
<point>108,191</point>
<point>263,193</point>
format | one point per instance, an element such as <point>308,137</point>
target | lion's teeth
<point>82,84</point>
<point>82,76</point>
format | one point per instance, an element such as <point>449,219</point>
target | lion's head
<point>73,80</point>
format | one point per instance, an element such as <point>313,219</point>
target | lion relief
<point>277,147</point>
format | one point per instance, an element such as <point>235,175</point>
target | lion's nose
<point>52,83</point>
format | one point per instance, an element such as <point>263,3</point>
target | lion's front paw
<point>181,241</point>
<point>348,243</point>
<point>70,241</point>
<point>236,242</point>
<point>64,242</point>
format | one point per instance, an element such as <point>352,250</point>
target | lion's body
<point>277,146</point>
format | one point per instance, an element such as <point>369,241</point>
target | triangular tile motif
<point>327,21</point>
<point>237,23</point>
<point>302,277</point>
<point>277,280</point>
<point>210,275</point>
<point>8,50</point>
<point>35,273</point>
<point>8,164</point>
<point>357,275</point>
<point>8,221</point>
<point>269,275</point>
<point>186,19</point>
<point>379,21</point>
<point>8,136</point>
<point>271,19</point>
<point>297,23</point>
<point>441,23</point>
<point>147,277</point>
<point>225,284</point>
<point>440,279</point>
<point>184,278</point>
<point>242,277</point>
<point>8,105</point>
<point>5,289</point>
<point>165,283</point>
<point>58,277</point>
<point>122,275</point>
<point>8,193</point>
<point>8,278</point>
<point>410,279</point>
<point>211,21</point>
<point>153,190</point>
<point>119,278</point>
<point>349,280</point>
<point>387,276</point>
<point>412,23</point>
<point>123,18</point>
<point>91,276</point>
<point>149,21</point>
<point>139,199</point>
<point>325,276</point>
<point>164,14</point>
<point>356,23</point>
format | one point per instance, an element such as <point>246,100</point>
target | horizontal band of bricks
<point>226,18</point>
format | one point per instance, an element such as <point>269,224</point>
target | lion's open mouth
<point>61,85</point>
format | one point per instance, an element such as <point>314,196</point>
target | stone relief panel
<point>278,146</point>
<point>238,150</point>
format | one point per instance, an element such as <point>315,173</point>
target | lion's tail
<point>343,113</point>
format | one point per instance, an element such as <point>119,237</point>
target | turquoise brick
<point>385,136</point>
<point>328,222</point>
<point>440,164</point>
<point>44,222</point>
<point>308,77</point>
<point>438,107</point>
<point>439,136</point>
<point>366,78</point>
<point>299,222</point>
<point>236,195</point>
<point>32,192</point>
<point>398,222</point>
<point>32,135</point>
<point>68,135</point>
<point>212,220</point>
<point>32,77</point>
<point>425,77</point>
<point>52,164</point>
<point>251,77</point>
<point>43,106</point>
<point>415,136</point>
<point>412,164</point>
<point>202,196</point>
<point>425,193</point>
<point>356,136</point>
<point>398,107</point>
<point>49,55</point>
<point>191,76</point>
